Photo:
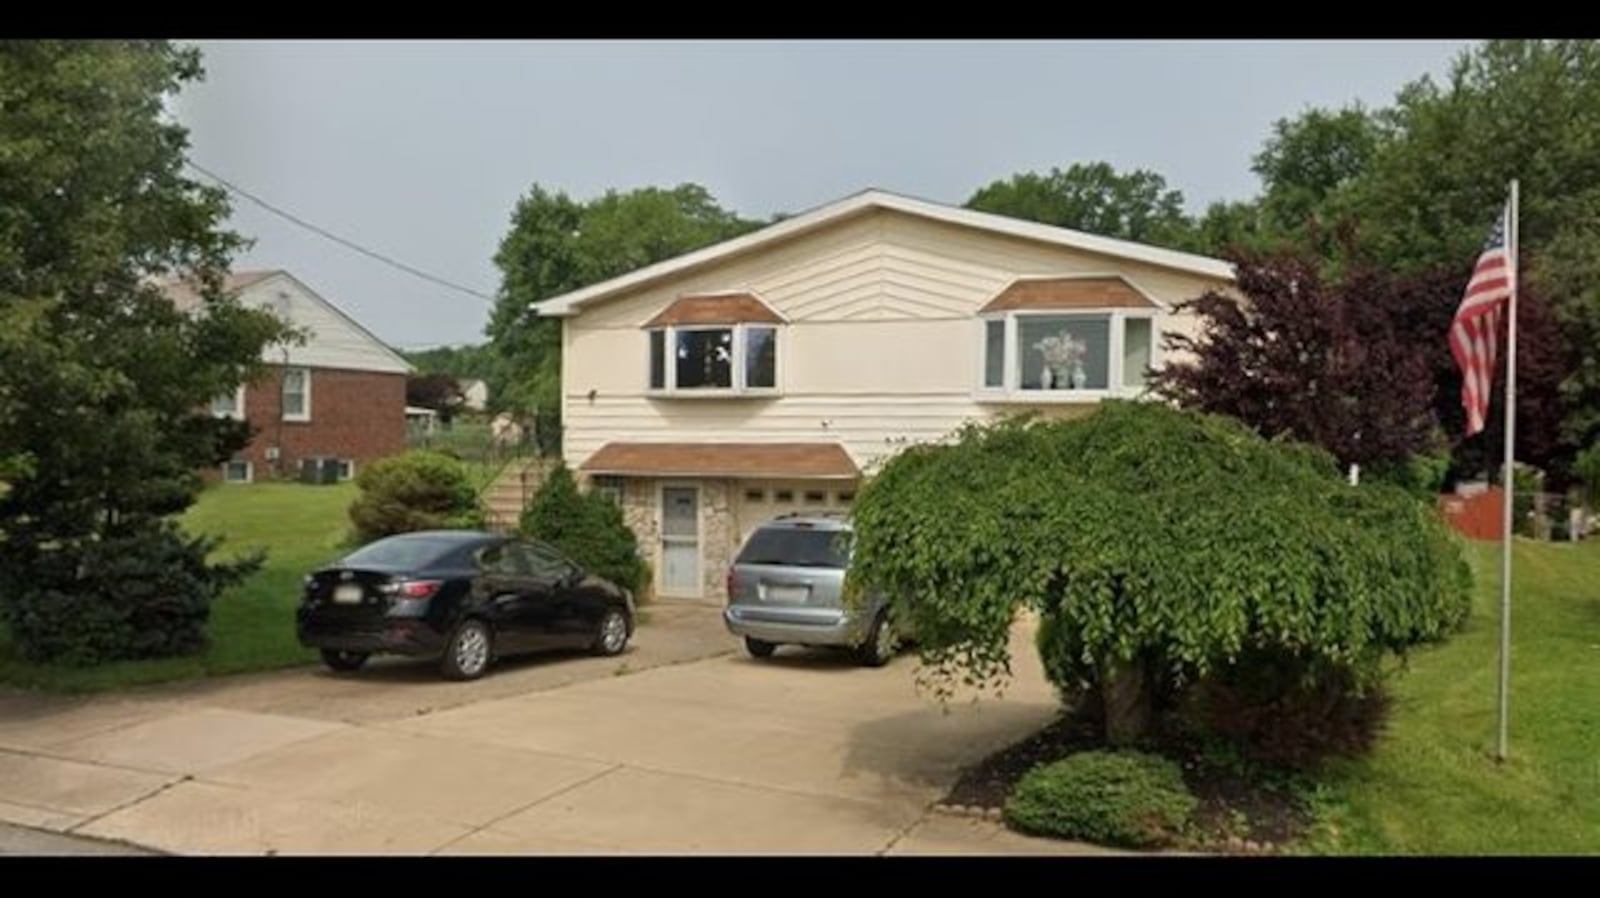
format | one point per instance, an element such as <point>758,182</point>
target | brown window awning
<point>721,308</point>
<point>1069,293</point>
<point>737,460</point>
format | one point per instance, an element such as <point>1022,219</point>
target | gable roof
<point>865,201</point>
<point>185,296</point>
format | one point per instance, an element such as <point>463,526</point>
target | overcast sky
<point>419,150</point>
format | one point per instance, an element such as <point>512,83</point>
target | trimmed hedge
<point>416,490</point>
<point>1127,799</point>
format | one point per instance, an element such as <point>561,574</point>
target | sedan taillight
<point>416,589</point>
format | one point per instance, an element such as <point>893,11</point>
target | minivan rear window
<point>797,548</point>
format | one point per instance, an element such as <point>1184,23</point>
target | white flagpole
<point>1509,478</point>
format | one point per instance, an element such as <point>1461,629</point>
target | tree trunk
<point>1126,698</point>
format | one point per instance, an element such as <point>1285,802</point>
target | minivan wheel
<point>342,661</point>
<point>612,636</point>
<point>880,644</point>
<point>759,648</point>
<point>467,654</point>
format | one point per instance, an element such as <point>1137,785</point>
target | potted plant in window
<point>1063,362</point>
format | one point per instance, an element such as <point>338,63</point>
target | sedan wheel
<point>468,653</point>
<point>613,635</point>
<point>343,661</point>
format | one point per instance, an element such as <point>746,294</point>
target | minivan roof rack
<point>829,513</point>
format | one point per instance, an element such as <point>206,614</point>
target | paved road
<point>679,746</point>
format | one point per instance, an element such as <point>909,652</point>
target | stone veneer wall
<point>719,533</point>
<point>719,536</point>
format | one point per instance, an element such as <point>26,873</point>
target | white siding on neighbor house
<point>332,341</point>
<point>881,348</point>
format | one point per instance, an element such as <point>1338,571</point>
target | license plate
<point>792,594</point>
<point>349,593</point>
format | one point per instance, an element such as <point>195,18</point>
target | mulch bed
<point>1237,813</point>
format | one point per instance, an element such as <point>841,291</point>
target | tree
<point>1308,164</point>
<point>440,392</point>
<point>104,383</point>
<point>1357,362</point>
<point>1299,357</point>
<point>464,362</point>
<point>588,528</point>
<point>557,245</point>
<point>1092,197</point>
<point>1160,547</point>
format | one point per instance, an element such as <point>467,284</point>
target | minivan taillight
<point>416,589</point>
<point>730,584</point>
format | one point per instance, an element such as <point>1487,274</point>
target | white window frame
<point>249,471</point>
<point>1011,389</point>
<point>739,388</point>
<point>238,413</point>
<point>349,469</point>
<point>305,412</point>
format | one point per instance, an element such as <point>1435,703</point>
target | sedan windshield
<point>401,552</point>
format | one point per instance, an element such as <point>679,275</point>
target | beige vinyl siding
<point>881,348</point>
<point>331,342</point>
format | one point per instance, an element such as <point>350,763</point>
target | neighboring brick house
<point>769,373</point>
<point>341,395</point>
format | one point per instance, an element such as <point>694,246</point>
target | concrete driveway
<point>681,745</point>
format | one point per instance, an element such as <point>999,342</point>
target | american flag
<point>1477,323</point>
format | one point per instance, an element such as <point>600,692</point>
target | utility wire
<point>349,244</point>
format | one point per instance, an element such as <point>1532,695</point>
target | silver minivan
<point>786,588</point>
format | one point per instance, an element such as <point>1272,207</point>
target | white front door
<point>680,541</point>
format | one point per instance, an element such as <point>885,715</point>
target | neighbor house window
<point>238,472</point>
<point>816,497</point>
<point>755,495</point>
<point>713,360</point>
<point>229,404</point>
<point>1040,355</point>
<point>297,394</point>
<point>346,468</point>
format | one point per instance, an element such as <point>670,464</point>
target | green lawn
<point>1432,786</point>
<point>252,626</point>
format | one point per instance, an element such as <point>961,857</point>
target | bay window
<point>1076,355</point>
<point>713,360</point>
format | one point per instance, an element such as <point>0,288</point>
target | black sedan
<point>464,596</point>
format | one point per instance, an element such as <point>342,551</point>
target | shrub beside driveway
<point>252,625</point>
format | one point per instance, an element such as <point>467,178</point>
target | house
<point>474,393</point>
<point>767,373</point>
<point>340,396</point>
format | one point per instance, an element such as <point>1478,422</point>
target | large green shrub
<point>417,490</point>
<point>1129,799</point>
<point>143,593</point>
<point>1160,545</point>
<point>588,528</point>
